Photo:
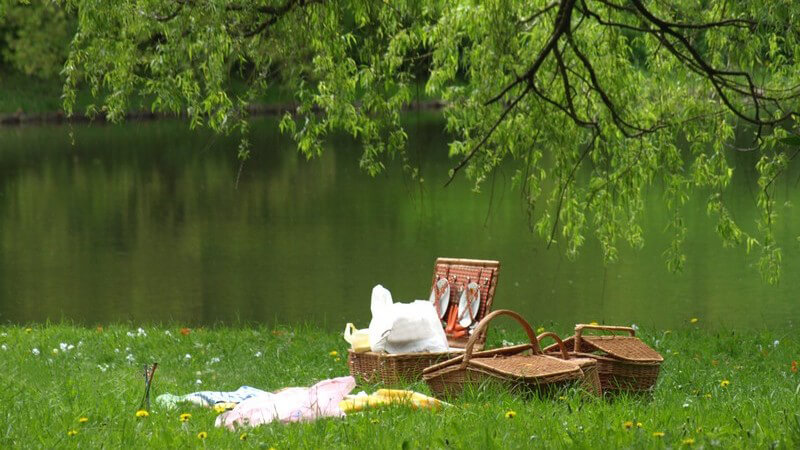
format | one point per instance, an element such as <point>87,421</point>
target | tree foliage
<point>590,97</point>
<point>34,37</point>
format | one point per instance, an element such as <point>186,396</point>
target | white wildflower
<point>635,327</point>
<point>198,381</point>
<point>4,347</point>
<point>70,347</point>
<point>102,367</point>
<point>35,351</point>
<point>130,334</point>
<point>130,358</point>
<point>55,351</point>
<point>258,355</point>
<point>775,344</point>
<point>214,360</point>
<point>140,332</point>
<point>63,346</point>
<point>116,350</point>
<point>168,333</point>
<point>188,356</point>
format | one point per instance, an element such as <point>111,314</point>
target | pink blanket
<point>293,404</point>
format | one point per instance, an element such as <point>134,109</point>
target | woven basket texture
<point>507,365</point>
<point>624,363</point>
<point>591,376</point>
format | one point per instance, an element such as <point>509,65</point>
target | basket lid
<point>460,272</point>
<point>529,367</point>
<point>629,348</point>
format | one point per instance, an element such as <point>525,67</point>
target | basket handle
<point>581,326</point>
<point>481,327</point>
<point>558,340</point>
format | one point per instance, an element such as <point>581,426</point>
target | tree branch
<point>486,137</point>
<point>566,184</point>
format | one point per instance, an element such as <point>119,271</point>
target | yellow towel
<point>354,403</point>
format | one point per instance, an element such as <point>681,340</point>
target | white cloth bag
<point>404,327</point>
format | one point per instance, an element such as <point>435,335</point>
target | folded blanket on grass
<point>209,398</point>
<point>292,404</point>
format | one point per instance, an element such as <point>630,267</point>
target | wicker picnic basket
<point>624,363</point>
<point>507,365</point>
<point>393,369</point>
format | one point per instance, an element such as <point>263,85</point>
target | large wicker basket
<point>508,365</point>
<point>624,363</point>
<point>394,369</point>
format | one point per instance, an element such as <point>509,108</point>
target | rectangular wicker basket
<point>624,363</point>
<point>395,369</point>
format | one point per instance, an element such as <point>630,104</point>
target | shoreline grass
<point>717,389</point>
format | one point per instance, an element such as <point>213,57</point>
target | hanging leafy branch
<point>589,96</point>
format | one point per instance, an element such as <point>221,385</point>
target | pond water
<point>143,222</point>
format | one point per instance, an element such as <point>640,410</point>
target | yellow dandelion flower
<point>688,441</point>
<point>658,434</point>
<point>694,320</point>
<point>202,435</point>
<point>708,395</point>
<point>28,330</point>
<point>724,383</point>
<point>71,433</point>
<point>562,398</point>
<point>628,425</point>
<point>337,359</point>
<point>219,408</point>
<point>185,417</point>
<point>639,425</point>
<point>243,437</point>
<point>83,420</point>
<point>594,322</point>
<point>540,330</point>
<point>510,414</point>
<point>334,353</point>
<point>142,413</point>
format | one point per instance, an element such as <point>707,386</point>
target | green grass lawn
<point>97,375</point>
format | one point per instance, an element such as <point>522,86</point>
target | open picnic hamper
<point>394,368</point>
<point>624,363</point>
<point>507,365</point>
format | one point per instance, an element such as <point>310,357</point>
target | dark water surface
<point>143,222</point>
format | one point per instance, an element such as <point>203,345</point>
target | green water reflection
<point>143,222</point>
